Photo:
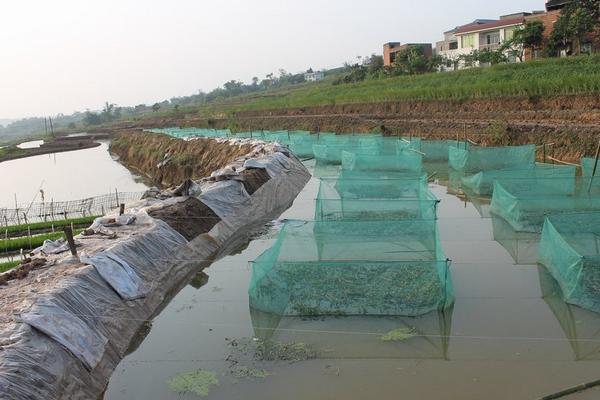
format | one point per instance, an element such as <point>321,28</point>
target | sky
<point>63,56</point>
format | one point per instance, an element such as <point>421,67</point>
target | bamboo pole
<point>595,167</point>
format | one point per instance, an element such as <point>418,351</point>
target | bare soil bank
<point>178,159</point>
<point>571,122</point>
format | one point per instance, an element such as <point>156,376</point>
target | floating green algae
<point>270,350</point>
<point>398,335</point>
<point>248,372</point>
<point>197,382</point>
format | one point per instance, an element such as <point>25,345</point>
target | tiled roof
<point>556,3</point>
<point>492,25</point>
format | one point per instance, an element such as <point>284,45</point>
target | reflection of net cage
<point>56,210</point>
<point>359,337</point>
<point>475,159</point>
<point>522,246</point>
<point>356,197</point>
<point>570,250</point>
<point>581,327</point>
<point>353,268</point>
<point>524,203</point>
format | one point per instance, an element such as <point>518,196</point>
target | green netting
<point>524,203</point>
<point>476,159</point>
<point>570,250</point>
<point>437,150</point>
<point>482,183</point>
<point>353,268</point>
<point>522,246</point>
<point>405,161</point>
<point>581,327</point>
<point>364,199</point>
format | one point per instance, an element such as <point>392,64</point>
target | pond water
<point>70,175</point>
<point>34,144</point>
<point>507,337</point>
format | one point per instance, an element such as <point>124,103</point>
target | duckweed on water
<point>197,382</point>
<point>248,372</point>
<point>399,335</point>
<point>270,350</point>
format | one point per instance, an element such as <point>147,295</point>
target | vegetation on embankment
<point>547,77</point>
<point>30,242</point>
<point>178,159</point>
<point>7,266</point>
<point>38,227</point>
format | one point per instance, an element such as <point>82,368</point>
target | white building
<point>314,76</point>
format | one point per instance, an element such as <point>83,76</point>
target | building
<point>553,5</point>
<point>314,76</point>
<point>449,47</point>
<point>391,49</point>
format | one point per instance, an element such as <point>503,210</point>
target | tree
<point>92,118</point>
<point>529,37</point>
<point>375,65</point>
<point>411,60</point>
<point>155,107</point>
<point>576,21</point>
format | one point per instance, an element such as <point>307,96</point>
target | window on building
<point>468,40</point>
<point>453,45</point>
<point>493,38</point>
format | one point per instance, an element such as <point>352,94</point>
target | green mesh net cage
<point>356,199</point>
<point>524,203</point>
<point>570,250</point>
<point>475,159</point>
<point>581,326</point>
<point>437,150</point>
<point>353,268</point>
<point>482,183</point>
<point>405,161</point>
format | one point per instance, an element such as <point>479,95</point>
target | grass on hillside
<point>546,77</point>
<point>47,225</point>
<point>23,242</point>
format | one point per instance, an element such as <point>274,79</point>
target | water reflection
<point>359,337</point>
<point>581,327</point>
<point>522,246</point>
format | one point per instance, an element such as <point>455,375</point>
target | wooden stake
<point>122,209</point>
<point>595,167</point>
<point>69,234</point>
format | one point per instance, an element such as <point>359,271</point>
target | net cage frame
<point>524,203</point>
<point>475,159</point>
<point>353,268</point>
<point>570,251</point>
<point>360,197</point>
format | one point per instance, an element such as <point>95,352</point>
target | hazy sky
<point>65,55</point>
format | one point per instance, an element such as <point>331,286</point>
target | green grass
<point>7,266</point>
<point>47,225</point>
<point>23,242</point>
<point>547,77</point>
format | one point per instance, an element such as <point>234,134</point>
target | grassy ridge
<point>16,244</point>
<point>547,77</point>
<point>47,225</point>
<point>7,266</point>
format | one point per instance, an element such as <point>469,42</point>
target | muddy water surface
<point>508,335</point>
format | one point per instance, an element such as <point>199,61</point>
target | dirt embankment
<point>572,123</point>
<point>178,159</point>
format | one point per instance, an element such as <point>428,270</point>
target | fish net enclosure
<point>359,197</point>
<point>581,326</point>
<point>482,183</point>
<point>353,268</point>
<point>405,161</point>
<point>524,203</point>
<point>570,250</point>
<point>437,150</point>
<point>475,159</point>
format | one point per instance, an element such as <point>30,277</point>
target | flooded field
<point>508,336</point>
<point>65,176</point>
